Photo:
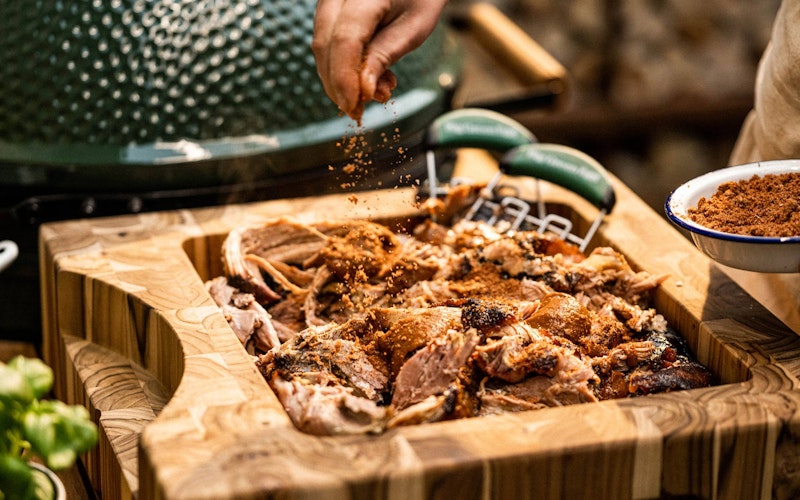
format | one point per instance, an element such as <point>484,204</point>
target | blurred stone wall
<point>634,53</point>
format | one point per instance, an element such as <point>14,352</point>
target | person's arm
<point>357,41</point>
<point>772,129</point>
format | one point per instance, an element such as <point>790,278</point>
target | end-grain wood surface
<point>133,335</point>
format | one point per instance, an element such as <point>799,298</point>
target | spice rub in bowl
<point>745,216</point>
<point>767,205</point>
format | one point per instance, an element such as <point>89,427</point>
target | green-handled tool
<point>561,165</point>
<point>471,128</point>
<point>565,166</point>
<point>521,155</point>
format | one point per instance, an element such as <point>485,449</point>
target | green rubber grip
<point>477,128</point>
<point>564,166</point>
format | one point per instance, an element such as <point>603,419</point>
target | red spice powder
<point>766,205</point>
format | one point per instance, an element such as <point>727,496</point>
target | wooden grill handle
<point>515,49</point>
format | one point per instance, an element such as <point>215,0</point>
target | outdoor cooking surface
<point>132,332</point>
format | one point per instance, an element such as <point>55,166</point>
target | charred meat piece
<point>669,368</point>
<point>677,376</point>
<point>432,409</point>
<point>659,363</point>
<point>485,315</point>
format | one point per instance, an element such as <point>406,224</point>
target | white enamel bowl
<point>752,253</point>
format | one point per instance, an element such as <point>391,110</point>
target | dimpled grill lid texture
<point>131,81</point>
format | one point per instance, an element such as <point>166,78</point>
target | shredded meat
<point>359,329</point>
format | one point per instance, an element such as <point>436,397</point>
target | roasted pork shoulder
<point>358,328</point>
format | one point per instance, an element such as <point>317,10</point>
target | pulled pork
<point>359,329</point>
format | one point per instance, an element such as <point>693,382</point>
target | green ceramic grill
<point>162,94</point>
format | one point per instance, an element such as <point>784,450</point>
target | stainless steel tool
<point>522,155</point>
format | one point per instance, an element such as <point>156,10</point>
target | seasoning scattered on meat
<point>359,329</point>
<point>766,205</point>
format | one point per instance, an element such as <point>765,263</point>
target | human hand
<point>357,41</point>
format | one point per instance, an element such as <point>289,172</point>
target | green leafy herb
<point>32,427</point>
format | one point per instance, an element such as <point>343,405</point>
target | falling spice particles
<point>357,145</point>
<point>766,206</point>
<point>359,149</point>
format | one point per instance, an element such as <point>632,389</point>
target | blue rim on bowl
<point>753,253</point>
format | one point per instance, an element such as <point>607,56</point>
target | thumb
<point>386,84</point>
<point>375,74</point>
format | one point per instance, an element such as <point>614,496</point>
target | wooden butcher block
<point>132,334</point>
